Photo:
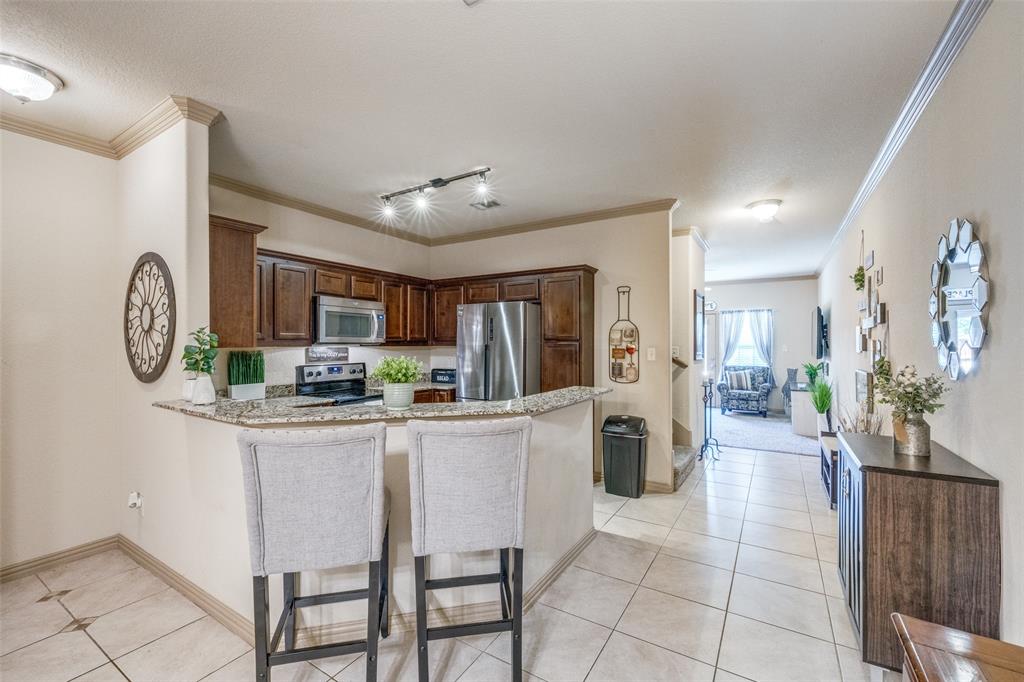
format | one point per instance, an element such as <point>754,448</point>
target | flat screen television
<point>820,326</point>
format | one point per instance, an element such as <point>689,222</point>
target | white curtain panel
<point>730,325</point>
<point>763,331</point>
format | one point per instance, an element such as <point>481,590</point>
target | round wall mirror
<point>958,301</point>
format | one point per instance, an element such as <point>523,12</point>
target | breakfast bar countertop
<point>299,410</point>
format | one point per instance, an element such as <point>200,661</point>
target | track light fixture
<point>421,201</point>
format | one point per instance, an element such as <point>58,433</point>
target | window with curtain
<point>751,338</point>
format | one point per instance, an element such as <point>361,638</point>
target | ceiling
<point>576,106</point>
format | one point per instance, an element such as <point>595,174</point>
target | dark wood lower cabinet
<point>559,365</point>
<point>919,536</point>
<point>434,395</point>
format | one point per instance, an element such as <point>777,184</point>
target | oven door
<point>355,323</point>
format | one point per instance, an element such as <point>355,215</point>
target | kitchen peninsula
<point>559,516</point>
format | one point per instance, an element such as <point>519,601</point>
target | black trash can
<point>625,455</point>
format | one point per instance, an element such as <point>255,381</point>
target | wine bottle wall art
<point>623,344</point>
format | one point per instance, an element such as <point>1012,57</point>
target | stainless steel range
<point>343,382</point>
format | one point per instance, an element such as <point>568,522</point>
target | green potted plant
<point>821,398</point>
<point>858,278</point>
<point>398,373</point>
<point>245,375</point>
<point>198,359</point>
<point>812,370</point>
<point>910,395</point>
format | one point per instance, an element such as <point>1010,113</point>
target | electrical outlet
<point>675,351</point>
<point>650,354</point>
<point>135,501</point>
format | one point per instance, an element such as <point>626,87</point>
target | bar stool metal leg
<point>503,583</point>
<point>261,607</point>
<point>372,620</point>
<point>517,615</point>
<point>421,618</point>
<point>385,597</point>
<point>289,602</point>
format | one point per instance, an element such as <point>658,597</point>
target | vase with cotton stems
<point>910,395</point>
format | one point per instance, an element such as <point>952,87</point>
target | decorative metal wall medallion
<point>149,317</point>
<point>958,300</point>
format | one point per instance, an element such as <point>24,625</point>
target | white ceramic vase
<point>397,396</point>
<point>188,387</point>
<point>204,393</point>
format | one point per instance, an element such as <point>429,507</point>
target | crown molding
<point>656,206</point>
<point>161,117</point>
<point>761,280</point>
<point>966,17</point>
<point>694,232</point>
<point>158,119</point>
<point>41,131</point>
<point>314,209</point>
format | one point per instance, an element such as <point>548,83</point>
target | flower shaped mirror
<point>958,300</point>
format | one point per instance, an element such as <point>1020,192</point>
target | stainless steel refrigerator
<point>497,351</point>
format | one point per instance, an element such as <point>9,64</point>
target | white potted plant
<point>245,375</point>
<point>398,375</point>
<point>198,358</point>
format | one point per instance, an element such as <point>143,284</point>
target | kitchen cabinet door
<point>482,292</point>
<point>331,283</point>
<point>559,365</point>
<point>444,395</point>
<point>293,303</point>
<point>423,396</point>
<point>366,287</point>
<point>560,304</point>
<point>446,301</point>
<point>234,281</point>
<point>520,289</point>
<point>394,311</point>
<point>417,314</point>
<point>264,300</point>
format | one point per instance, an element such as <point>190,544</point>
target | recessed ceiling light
<point>765,209</point>
<point>26,81</point>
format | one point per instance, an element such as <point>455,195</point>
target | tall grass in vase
<point>246,375</point>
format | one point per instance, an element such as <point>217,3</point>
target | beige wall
<point>687,275</point>
<point>630,251</point>
<point>792,302</point>
<point>964,158</point>
<point>60,347</point>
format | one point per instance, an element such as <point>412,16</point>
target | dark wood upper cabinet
<point>560,365</point>
<point>332,283</point>
<point>417,312</point>
<point>482,292</point>
<point>293,303</point>
<point>264,300</point>
<point>560,307</point>
<point>446,301</point>
<point>366,287</point>
<point>520,289</point>
<point>234,283</point>
<point>394,311</point>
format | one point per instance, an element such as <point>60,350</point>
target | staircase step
<point>683,459</point>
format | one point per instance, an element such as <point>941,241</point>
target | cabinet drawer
<point>520,289</point>
<point>482,292</point>
<point>331,283</point>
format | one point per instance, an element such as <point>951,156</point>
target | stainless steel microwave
<point>347,320</point>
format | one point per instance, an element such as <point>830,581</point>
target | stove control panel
<point>343,371</point>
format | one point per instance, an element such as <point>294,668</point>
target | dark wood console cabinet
<point>919,536</point>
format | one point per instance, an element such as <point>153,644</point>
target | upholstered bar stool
<point>467,492</point>
<point>315,500</point>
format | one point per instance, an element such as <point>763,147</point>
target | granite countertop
<point>309,410</point>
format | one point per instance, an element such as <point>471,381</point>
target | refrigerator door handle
<point>487,371</point>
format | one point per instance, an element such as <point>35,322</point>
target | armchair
<point>753,400</point>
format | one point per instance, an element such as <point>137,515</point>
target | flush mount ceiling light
<point>26,81</point>
<point>765,209</point>
<point>481,192</point>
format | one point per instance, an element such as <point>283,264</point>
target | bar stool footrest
<point>463,581</point>
<point>315,652</point>
<point>465,630</point>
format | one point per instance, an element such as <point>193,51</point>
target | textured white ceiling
<point>577,106</point>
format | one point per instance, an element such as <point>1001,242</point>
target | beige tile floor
<point>732,577</point>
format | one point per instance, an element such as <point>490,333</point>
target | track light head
<point>421,202</point>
